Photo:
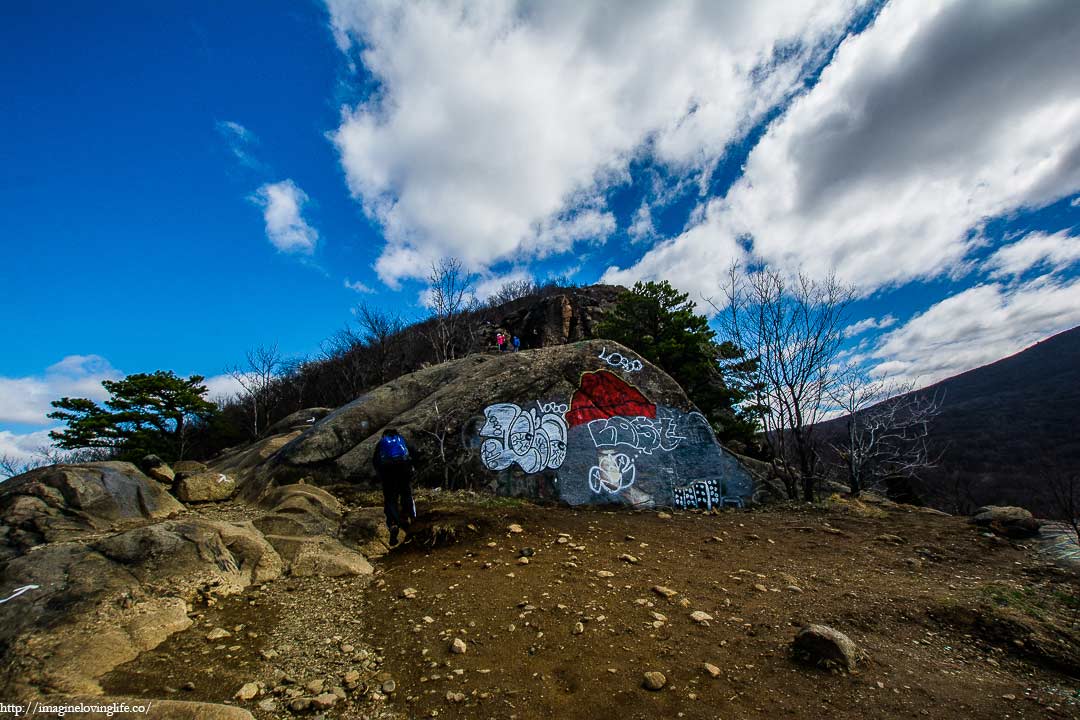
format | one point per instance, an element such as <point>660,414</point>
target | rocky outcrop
<point>240,460</point>
<point>1008,521</point>
<point>302,526</point>
<point>557,319</point>
<point>299,420</point>
<point>93,605</point>
<point>589,422</point>
<point>205,487</point>
<point>96,577</point>
<point>64,501</point>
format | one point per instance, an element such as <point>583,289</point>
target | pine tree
<point>145,413</point>
<point>660,324</point>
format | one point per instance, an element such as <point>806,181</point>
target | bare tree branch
<point>794,328</point>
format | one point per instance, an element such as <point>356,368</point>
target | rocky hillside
<point>1006,428</point>
<point>581,423</point>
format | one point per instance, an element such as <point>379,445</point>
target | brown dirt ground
<point>953,624</point>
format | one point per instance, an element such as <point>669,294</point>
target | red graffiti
<point>603,395</point>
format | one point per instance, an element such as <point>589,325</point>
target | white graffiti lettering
<point>532,440</point>
<point>640,433</point>
<point>19,591</point>
<point>613,472</point>
<point>617,359</point>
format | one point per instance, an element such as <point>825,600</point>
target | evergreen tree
<point>659,323</point>
<point>145,413</point>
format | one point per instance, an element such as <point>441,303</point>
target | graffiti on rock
<point>602,394</point>
<point>609,444</point>
<point>640,433</point>
<point>613,472</point>
<point>708,493</point>
<point>534,440</point>
<point>618,360</point>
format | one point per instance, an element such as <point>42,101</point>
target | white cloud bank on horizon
<point>26,400</point>
<point>977,326</point>
<point>497,126</point>
<point>283,203</point>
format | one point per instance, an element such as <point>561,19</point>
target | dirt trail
<point>930,601</point>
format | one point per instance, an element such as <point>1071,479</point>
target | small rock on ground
<point>654,680</point>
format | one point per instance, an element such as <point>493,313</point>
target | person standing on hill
<point>516,342</point>
<point>393,467</point>
<point>500,341</point>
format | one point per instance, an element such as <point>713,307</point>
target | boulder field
<point>99,563</point>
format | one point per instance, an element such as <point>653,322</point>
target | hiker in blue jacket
<point>393,467</point>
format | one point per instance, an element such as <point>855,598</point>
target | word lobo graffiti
<point>533,440</point>
<point>640,433</point>
<point>617,359</point>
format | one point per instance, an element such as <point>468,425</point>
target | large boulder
<point>87,607</point>
<point>1009,521</point>
<point>157,469</point>
<point>303,526</point>
<point>299,420</point>
<point>237,461</point>
<point>205,487</point>
<point>585,423</point>
<point>61,502</point>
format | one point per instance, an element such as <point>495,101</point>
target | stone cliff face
<point>584,423</point>
<point>565,317</point>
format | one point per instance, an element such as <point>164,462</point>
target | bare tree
<point>345,358</point>
<point>440,428</point>
<point>512,290</point>
<point>10,465</point>
<point>380,331</point>
<point>887,430</point>
<point>450,290</point>
<point>1065,500</point>
<point>257,379</point>
<point>794,328</point>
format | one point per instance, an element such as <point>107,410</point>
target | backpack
<point>393,449</point>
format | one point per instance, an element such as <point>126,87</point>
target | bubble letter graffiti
<point>532,440</point>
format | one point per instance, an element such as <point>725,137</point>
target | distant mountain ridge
<point>1005,427</point>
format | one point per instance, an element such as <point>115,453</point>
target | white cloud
<point>26,400</point>
<point>937,117</point>
<point>283,203</point>
<point>222,387</point>
<point>870,323</point>
<point>358,286</point>
<point>22,448</point>
<point>496,125</point>
<point>977,326</point>
<point>641,229</point>
<point>1034,250</point>
<point>240,141</point>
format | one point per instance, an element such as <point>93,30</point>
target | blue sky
<point>184,181</point>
